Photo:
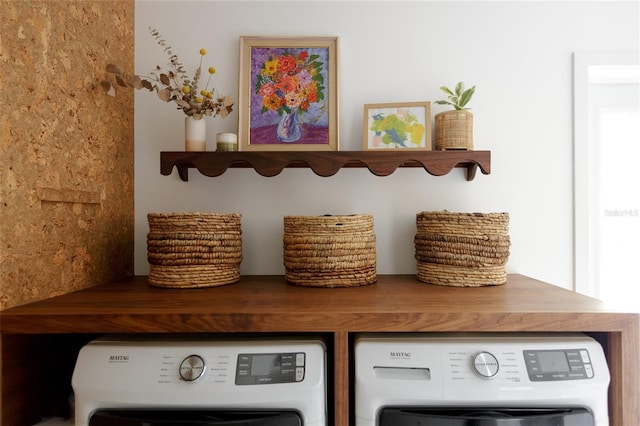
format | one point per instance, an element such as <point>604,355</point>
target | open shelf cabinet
<point>35,385</point>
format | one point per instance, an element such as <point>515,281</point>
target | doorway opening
<point>606,183</point>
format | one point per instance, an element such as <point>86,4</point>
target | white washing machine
<point>480,380</point>
<point>200,381</point>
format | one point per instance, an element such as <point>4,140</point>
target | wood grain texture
<point>396,303</point>
<point>263,303</point>
<point>326,163</point>
<point>341,407</point>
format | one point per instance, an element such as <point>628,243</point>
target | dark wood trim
<point>325,163</point>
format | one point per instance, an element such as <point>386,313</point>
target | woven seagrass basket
<point>191,250</point>
<point>330,251</point>
<point>454,130</point>
<point>462,249</point>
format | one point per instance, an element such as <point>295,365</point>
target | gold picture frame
<point>288,94</point>
<point>392,126</point>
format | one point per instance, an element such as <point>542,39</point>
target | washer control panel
<point>266,368</point>
<point>485,364</point>
<point>563,364</point>
<point>192,368</point>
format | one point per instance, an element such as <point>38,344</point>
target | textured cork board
<point>66,149</point>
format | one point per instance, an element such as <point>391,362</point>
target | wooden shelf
<point>267,304</point>
<point>325,163</point>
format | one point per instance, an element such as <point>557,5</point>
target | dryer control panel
<point>563,364</point>
<point>265,368</point>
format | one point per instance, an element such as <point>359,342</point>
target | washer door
<point>194,418</point>
<point>484,416</point>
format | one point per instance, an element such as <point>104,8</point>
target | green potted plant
<point>454,128</point>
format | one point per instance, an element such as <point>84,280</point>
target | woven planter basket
<point>192,250</point>
<point>454,130</point>
<point>462,249</point>
<point>330,251</point>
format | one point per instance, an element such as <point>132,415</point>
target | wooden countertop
<point>269,304</point>
<point>396,303</point>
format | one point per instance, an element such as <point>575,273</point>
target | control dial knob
<point>192,368</point>
<point>485,364</point>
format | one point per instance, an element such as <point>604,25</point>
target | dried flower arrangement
<point>173,85</point>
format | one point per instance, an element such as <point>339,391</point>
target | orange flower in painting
<point>271,102</point>
<point>286,64</point>
<point>288,84</point>
<point>292,99</point>
<point>311,93</point>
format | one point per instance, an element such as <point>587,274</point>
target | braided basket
<point>462,249</point>
<point>329,251</point>
<point>454,130</point>
<point>191,250</point>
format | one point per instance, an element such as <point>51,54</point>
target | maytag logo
<point>118,358</point>
<point>402,355</point>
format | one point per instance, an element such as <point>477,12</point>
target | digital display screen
<point>263,365</point>
<point>553,361</point>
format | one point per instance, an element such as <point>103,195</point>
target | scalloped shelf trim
<point>325,163</point>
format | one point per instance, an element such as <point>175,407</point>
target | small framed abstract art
<point>391,126</point>
<point>288,95</point>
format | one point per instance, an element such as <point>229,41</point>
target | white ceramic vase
<point>195,134</point>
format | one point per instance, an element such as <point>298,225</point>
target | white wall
<point>519,54</point>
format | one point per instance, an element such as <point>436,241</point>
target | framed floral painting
<point>397,126</point>
<point>288,96</point>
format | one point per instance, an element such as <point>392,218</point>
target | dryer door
<point>484,416</point>
<point>186,417</point>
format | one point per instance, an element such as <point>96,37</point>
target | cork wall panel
<point>66,149</point>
